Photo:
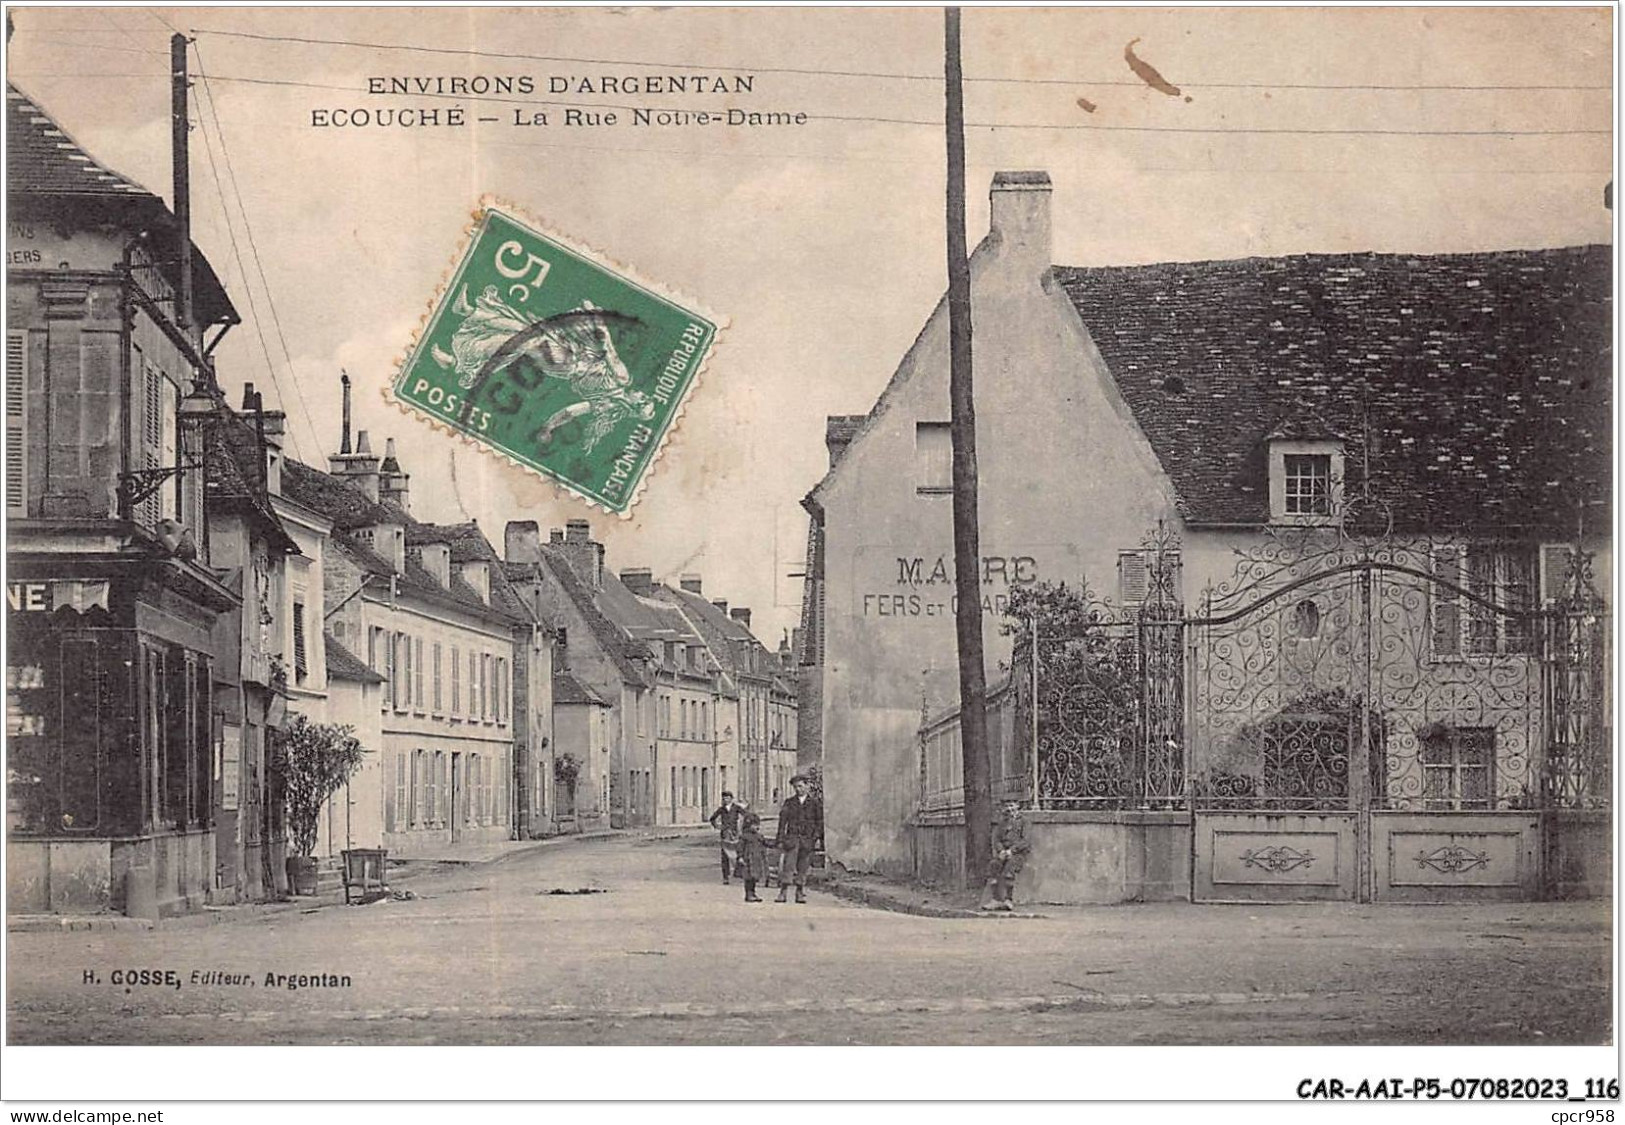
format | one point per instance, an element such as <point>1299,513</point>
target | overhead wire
<point>834,72</point>
<point>236,251</point>
<point>1012,125</point>
<point>248,231</point>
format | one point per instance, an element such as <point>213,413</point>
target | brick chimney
<point>359,468</point>
<point>555,536</point>
<point>522,541</point>
<point>392,483</point>
<point>740,614</point>
<point>839,429</point>
<point>720,603</point>
<point>639,579</point>
<point>585,556</point>
<point>1020,217</point>
<point>689,583</point>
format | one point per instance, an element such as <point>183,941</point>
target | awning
<point>47,597</point>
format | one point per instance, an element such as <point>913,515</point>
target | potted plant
<point>316,760</point>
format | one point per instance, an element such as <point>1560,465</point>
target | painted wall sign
<point>905,582</point>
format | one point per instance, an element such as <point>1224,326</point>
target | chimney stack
<point>586,557</point>
<point>690,583</point>
<point>248,396</point>
<point>741,615</point>
<point>839,429</point>
<point>638,579</point>
<point>555,536</point>
<point>361,467</point>
<point>522,541</point>
<point>1020,217</point>
<point>344,439</point>
<point>720,603</point>
<point>392,483</point>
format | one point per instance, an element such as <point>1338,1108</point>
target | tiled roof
<point>728,639</point>
<point>346,505</point>
<point>42,158</point>
<point>350,510</point>
<point>44,162</point>
<point>1482,380</point>
<point>568,689</point>
<point>232,466</point>
<point>468,543</point>
<point>342,664</point>
<point>616,643</point>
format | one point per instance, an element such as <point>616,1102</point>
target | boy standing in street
<point>726,819</point>
<point>1010,848</point>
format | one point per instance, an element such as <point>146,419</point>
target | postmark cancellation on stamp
<point>546,353</point>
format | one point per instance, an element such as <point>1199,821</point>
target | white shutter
<point>1132,578</point>
<point>16,421</point>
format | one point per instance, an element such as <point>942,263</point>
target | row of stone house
<point>180,589</point>
<point>1345,525</point>
<point>683,701</point>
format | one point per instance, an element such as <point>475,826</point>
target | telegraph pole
<point>181,165</point>
<point>967,538</point>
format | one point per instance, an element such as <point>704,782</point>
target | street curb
<point>878,899</point>
<point>241,912</point>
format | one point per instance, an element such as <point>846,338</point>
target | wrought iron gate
<point>1345,717</point>
<point>1372,719</point>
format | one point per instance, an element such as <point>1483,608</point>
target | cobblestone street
<point>663,953</point>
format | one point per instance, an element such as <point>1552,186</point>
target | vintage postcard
<point>845,527</point>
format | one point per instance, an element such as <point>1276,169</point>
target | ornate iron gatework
<point>1333,672</point>
<point>1101,688</point>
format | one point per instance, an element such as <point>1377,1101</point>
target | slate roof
<point>232,466</point>
<point>727,638</point>
<point>351,510</point>
<point>468,543</point>
<point>619,647</point>
<point>343,503</point>
<point>44,163</point>
<point>342,664</point>
<point>568,689</point>
<point>1484,380</point>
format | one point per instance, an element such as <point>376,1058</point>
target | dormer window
<point>1306,480</point>
<point>1308,484</point>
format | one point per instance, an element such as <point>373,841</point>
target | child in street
<point>752,854</point>
<point>1010,848</point>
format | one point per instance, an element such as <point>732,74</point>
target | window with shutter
<point>1132,577</point>
<point>417,673</point>
<point>299,665</point>
<point>17,422</point>
<point>152,437</point>
<point>456,680</point>
<point>438,703</point>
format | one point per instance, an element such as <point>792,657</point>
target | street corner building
<point>1334,531</point>
<point>180,590</point>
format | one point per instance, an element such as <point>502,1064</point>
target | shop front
<point>111,732</point>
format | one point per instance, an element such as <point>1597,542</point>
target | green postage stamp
<point>554,358</point>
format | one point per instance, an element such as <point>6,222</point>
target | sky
<point>1292,131</point>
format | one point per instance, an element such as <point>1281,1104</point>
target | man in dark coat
<point>801,832</point>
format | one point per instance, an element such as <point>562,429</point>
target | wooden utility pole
<point>181,168</point>
<point>967,537</point>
